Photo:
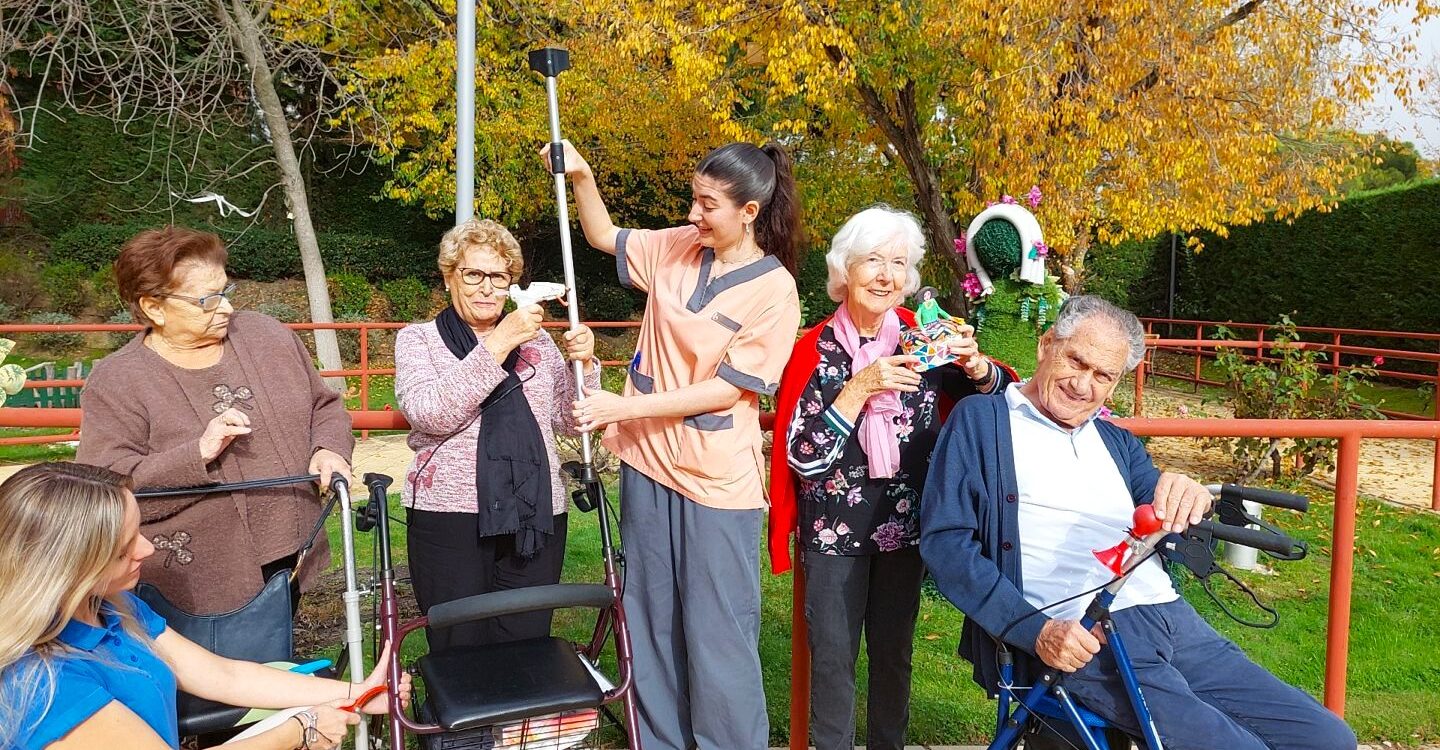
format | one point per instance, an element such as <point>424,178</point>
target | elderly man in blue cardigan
<point>1023,485</point>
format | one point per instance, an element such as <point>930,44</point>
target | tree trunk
<point>245,29</point>
<point>902,129</point>
<point>1072,266</point>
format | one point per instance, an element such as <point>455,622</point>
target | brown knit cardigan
<point>139,417</point>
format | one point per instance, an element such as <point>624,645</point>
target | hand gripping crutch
<point>550,62</point>
<point>354,635</point>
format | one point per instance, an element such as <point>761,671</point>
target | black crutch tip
<point>549,61</point>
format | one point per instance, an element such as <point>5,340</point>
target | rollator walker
<point>535,694</point>
<point>1032,713</point>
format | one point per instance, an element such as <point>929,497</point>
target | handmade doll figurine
<point>929,310</point>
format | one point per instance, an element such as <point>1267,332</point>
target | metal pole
<point>799,658</point>
<point>550,62</point>
<point>1174,240</point>
<point>1342,567</point>
<point>464,111</point>
<point>354,635</point>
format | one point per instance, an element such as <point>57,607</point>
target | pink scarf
<point>877,435</point>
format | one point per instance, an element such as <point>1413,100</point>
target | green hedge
<point>263,254</point>
<point>1371,263</point>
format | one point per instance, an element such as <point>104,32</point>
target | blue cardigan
<point>969,528</point>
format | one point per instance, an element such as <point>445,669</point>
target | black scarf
<point>512,467</point>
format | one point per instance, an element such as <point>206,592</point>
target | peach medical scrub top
<point>740,327</point>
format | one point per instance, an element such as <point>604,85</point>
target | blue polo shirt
<point>106,664</point>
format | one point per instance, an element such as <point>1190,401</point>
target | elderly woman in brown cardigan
<point>205,394</point>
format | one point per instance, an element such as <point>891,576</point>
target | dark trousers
<point>449,560</point>
<point>1202,691</point>
<point>879,594</point>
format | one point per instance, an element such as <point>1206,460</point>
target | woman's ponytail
<point>777,228</point>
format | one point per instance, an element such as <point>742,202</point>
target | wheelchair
<point>1045,716</point>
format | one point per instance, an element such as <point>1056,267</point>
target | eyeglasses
<point>473,277</point>
<point>208,303</point>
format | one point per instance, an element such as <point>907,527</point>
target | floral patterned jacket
<point>842,510</point>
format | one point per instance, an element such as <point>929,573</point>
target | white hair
<point>875,227</point>
<point>1079,309</point>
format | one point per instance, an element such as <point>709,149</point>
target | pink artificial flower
<point>1377,361</point>
<point>1034,196</point>
<point>960,245</point>
<point>971,285</point>
<point>1042,249</point>
<point>1007,200</point>
<point>1105,412</point>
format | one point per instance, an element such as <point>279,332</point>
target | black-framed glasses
<point>473,277</point>
<point>208,303</point>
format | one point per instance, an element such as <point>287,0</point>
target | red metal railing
<point>363,369</point>
<point>1332,342</point>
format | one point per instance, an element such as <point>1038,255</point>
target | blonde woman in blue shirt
<point>84,663</point>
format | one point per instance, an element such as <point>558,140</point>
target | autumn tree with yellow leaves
<point>1134,117</point>
<point>398,62</point>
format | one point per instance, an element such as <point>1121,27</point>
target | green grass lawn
<point>1394,678</point>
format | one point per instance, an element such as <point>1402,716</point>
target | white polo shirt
<point>1073,501</point>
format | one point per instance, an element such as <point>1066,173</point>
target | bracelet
<point>312,733</point>
<point>989,374</point>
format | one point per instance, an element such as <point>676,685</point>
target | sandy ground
<point>1397,471</point>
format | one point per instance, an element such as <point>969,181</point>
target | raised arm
<point>600,232</point>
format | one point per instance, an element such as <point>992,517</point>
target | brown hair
<point>146,266</point>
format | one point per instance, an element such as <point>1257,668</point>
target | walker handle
<point>1273,498</point>
<point>1280,544</point>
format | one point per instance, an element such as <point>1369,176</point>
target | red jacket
<point>784,510</point>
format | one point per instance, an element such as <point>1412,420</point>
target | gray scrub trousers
<point>692,600</point>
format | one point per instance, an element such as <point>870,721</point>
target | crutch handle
<point>549,61</point>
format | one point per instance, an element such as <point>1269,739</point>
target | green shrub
<point>103,294</point>
<point>94,246</point>
<point>810,280</point>
<point>7,312</point>
<point>349,340</point>
<point>264,255</point>
<point>377,257</point>
<point>409,298</point>
<point>64,285</point>
<point>19,284</point>
<point>55,343</point>
<point>1289,387</point>
<point>350,295</point>
<point>281,311</point>
<point>608,301</point>
<point>121,338</point>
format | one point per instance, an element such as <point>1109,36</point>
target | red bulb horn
<point>1114,557</point>
<point>1144,524</point>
